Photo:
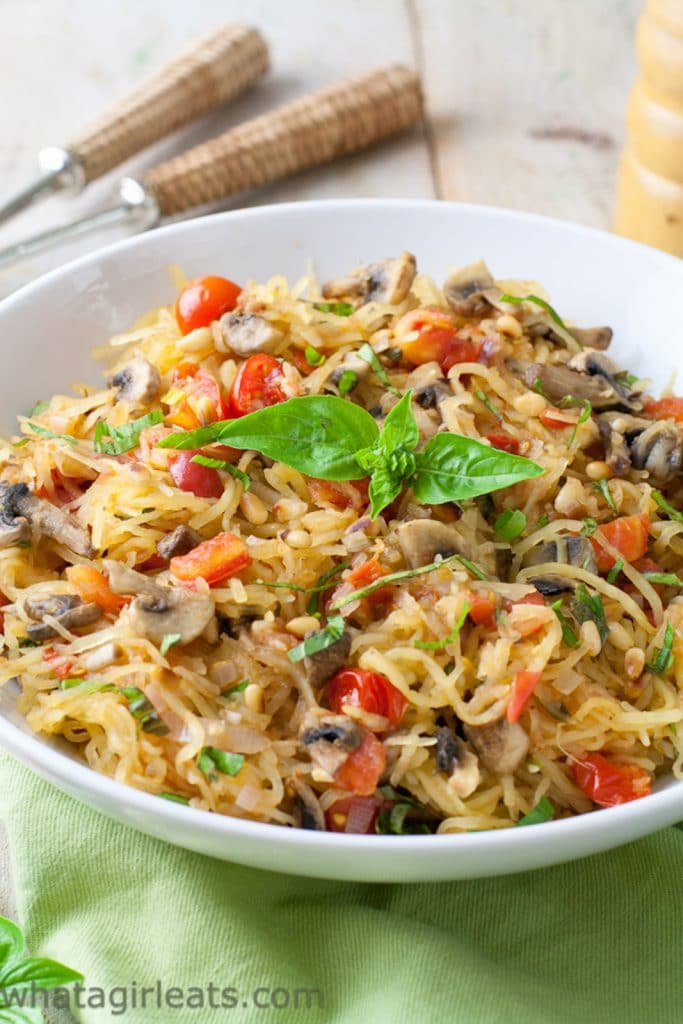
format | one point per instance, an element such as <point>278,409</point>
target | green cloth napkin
<point>596,940</point>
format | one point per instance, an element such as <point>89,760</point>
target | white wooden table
<point>525,98</point>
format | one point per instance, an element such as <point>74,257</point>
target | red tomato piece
<point>200,400</point>
<point>192,476</point>
<point>628,534</point>
<point>62,667</point>
<point>92,586</point>
<point>204,300</point>
<point>368,690</point>
<point>555,418</point>
<point>608,783</point>
<point>504,443</point>
<point>435,334</point>
<point>356,814</point>
<point>670,408</point>
<point>363,768</point>
<point>342,494</point>
<point>258,383</point>
<point>523,685</point>
<point>481,610</point>
<point>214,560</point>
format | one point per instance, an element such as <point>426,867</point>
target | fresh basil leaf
<point>400,429</point>
<point>233,691</point>
<point>588,607</point>
<point>168,641</point>
<point>568,635</point>
<point>11,941</point>
<point>489,404</point>
<point>510,524</point>
<point>672,512</point>
<point>385,485</point>
<point>39,407</point>
<point>543,811</point>
<point>347,382</point>
<point>37,972</point>
<point>212,759</point>
<point>602,487</point>
<point>392,577</point>
<point>451,467</point>
<point>538,301</point>
<point>613,574</point>
<point>438,645</point>
<point>117,440</point>
<point>367,352</point>
<point>313,357</point>
<point>663,658</point>
<point>204,460</point>
<point>338,308</point>
<point>320,641</point>
<point>175,798</point>
<point>318,435</point>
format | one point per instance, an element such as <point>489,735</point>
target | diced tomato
<point>556,419</point>
<point>353,814</point>
<point>61,666</point>
<point>628,534</point>
<point>363,768</point>
<point>149,439</point>
<point>481,610</point>
<point>92,586</point>
<point>523,685</point>
<point>342,494</point>
<point>527,628</point>
<point>534,598</point>
<point>214,560</point>
<point>204,300</point>
<point>608,783</point>
<point>259,382</point>
<point>670,408</point>
<point>504,443</point>
<point>438,339</point>
<point>368,690</point>
<point>191,476</point>
<point>195,398</point>
<point>370,572</point>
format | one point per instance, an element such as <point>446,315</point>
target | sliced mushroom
<point>558,382</point>
<point>455,759</point>
<point>351,363</point>
<point>330,741</point>
<point>17,531</point>
<point>67,609</point>
<point>387,281</point>
<point>138,382</point>
<point>159,610</point>
<point>593,337</point>
<point>618,430</point>
<point>18,506</point>
<point>469,289</point>
<point>659,450</point>
<point>501,745</point>
<point>178,542</point>
<point>597,364</point>
<point>421,540</point>
<point>246,333</point>
<point>319,667</point>
<point>576,551</point>
<point>312,816</point>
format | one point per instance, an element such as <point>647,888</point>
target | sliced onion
<point>248,798</point>
<point>238,739</point>
<point>567,681</point>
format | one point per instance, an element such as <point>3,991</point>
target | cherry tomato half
<point>258,383</point>
<point>628,534</point>
<point>368,690</point>
<point>204,300</point>
<point>437,339</point>
<point>607,783</point>
<point>363,769</point>
<point>191,476</point>
<point>504,443</point>
<point>195,398</point>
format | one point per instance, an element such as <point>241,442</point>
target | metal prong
<point>61,170</point>
<point>138,208</point>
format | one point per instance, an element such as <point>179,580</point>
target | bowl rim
<point>662,805</point>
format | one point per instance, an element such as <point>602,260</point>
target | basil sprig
<point>19,974</point>
<point>328,438</point>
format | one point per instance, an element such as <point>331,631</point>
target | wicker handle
<point>219,67</point>
<point>313,130</point>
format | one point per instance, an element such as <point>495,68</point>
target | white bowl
<point>47,332</point>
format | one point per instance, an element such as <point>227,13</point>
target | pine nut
<point>302,625</point>
<point>634,662</point>
<point>253,509</point>
<point>253,697</point>
<point>597,470</point>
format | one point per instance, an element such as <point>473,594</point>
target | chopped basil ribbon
<point>438,645</point>
<point>585,413</point>
<point>613,574</point>
<point>489,404</point>
<point>168,641</point>
<point>43,432</point>
<point>213,759</point>
<point>517,300</point>
<point>663,657</point>
<point>543,811</point>
<point>347,382</point>
<point>588,608</point>
<point>325,437</point>
<point>117,440</point>
<point>175,798</point>
<point>338,308</point>
<point>568,635</point>
<point>367,352</point>
<point>589,527</point>
<point>204,460</point>
<point>669,579</point>
<point>143,710</point>
<point>672,512</point>
<point>39,407</point>
<point>403,574</point>
<point>602,487</point>
<point>313,357</point>
<point>325,582</point>
<point>510,524</point>
<point>394,820</point>
<point>320,641</point>
<point>233,691</point>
